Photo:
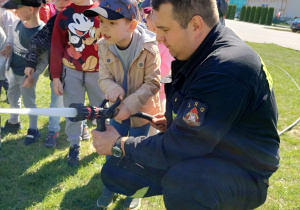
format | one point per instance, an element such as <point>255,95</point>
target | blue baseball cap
<point>114,10</point>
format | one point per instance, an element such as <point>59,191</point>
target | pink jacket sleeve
<point>52,9</point>
<point>165,66</point>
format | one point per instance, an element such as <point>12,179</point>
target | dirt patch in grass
<point>295,132</point>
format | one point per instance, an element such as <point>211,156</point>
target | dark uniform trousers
<point>201,183</point>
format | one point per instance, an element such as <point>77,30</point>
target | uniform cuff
<point>128,147</point>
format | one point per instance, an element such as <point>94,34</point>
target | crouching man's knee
<point>128,178</point>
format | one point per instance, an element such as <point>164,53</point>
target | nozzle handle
<point>101,124</point>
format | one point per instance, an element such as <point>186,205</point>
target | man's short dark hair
<point>185,10</point>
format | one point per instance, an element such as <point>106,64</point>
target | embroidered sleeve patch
<point>194,113</point>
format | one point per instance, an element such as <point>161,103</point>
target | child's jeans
<point>124,129</point>
<point>56,102</point>
<point>14,93</point>
<point>76,85</point>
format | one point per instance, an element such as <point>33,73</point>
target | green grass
<point>34,177</point>
<point>284,191</point>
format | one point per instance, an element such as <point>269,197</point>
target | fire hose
<point>77,112</point>
<point>297,120</point>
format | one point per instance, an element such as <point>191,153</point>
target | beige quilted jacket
<point>143,79</point>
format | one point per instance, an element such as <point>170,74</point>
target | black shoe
<point>11,128</point>
<point>51,138</point>
<point>32,136</point>
<point>131,203</point>
<point>106,198</point>
<point>73,157</point>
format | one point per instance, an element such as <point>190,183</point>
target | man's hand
<point>57,87</point>
<point>29,71</point>
<point>104,141</point>
<point>159,122</point>
<point>28,82</point>
<point>6,51</point>
<point>114,94</point>
<point>123,113</point>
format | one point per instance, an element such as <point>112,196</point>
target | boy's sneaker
<point>106,198</point>
<point>51,137</point>
<point>11,128</point>
<point>73,157</point>
<point>32,136</point>
<point>132,203</point>
<point>85,132</point>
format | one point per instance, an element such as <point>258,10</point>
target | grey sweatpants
<point>76,83</point>
<point>14,93</point>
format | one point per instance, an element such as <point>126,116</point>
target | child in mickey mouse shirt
<point>74,64</point>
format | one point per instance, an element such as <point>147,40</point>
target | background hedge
<point>252,14</point>
<point>242,13</point>
<point>263,15</point>
<point>257,14</point>
<point>247,15</point>
<point>269,18</point>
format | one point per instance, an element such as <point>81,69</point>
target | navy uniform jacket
<point>220,103</point>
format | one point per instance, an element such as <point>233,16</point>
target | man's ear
<point>32,10</point>
<point>197,24</point>
<point>133,25</point>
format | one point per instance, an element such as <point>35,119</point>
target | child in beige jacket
<point>129,68</point>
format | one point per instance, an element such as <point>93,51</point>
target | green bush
<point>232,12</point>
<point>257,14</point>
<point>242,13</point>
<point>248,11</point>
<point>228,12</point>
<point>252,14</point>
<point>263,15</point>
<point>269,18</point>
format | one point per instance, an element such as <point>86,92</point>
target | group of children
<point>99,49</point>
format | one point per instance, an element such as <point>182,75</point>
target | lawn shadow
<point>46,179</point>
<point>28,174</point>
<point>85,197</point>
<point>16,159</point>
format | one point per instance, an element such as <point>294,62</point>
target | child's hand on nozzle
<point>123,113</point>
<point>114,94</point>
<point>29,71</point>
<point>159,122</point>
<point>57,87</point>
